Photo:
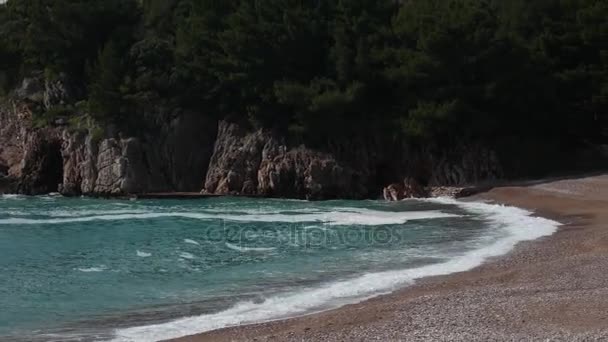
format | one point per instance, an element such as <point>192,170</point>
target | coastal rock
<point>457,192</point>
<point>79,168</point>
<point>176,161</point>
<point>260,163</point>
<point>174,157</point>
<point>184,151</point>
<point>112,167</point>
<point>409,188</point>
<point>109,167</point>
<point>303,173</point>
<point>14,125</point>
<point>393,192</point>
<point>236,158</point>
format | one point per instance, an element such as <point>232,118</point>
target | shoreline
<point>536,291</point>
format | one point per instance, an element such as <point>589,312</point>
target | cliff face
<point>14,121</point>
<point>175,159</point>
<point>261,163</point>
<point>56,159</point>
<point>189,152</point>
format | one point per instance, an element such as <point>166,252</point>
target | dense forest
<point>440,70</point>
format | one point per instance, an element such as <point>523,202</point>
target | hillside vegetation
<point>426,70</point>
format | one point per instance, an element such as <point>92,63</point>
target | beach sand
<point>554,288</point>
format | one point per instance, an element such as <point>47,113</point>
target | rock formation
<point>260,163</point>
<point>173,157</point>
<point>409,188</point>
<point>187,151</point>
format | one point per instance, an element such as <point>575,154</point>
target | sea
<point>84,269</point>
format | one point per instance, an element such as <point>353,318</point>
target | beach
<point>554,288</point>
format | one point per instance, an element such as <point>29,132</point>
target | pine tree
<point>105,97</point>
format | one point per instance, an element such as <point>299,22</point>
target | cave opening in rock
<point>54,164</point>
<point>43,169</point>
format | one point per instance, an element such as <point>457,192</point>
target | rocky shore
<point>191,152</point>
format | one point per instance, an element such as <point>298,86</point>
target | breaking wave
<point>516,224</point>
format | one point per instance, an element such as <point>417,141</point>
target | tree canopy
<point>426,69</point>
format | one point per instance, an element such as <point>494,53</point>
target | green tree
<point>105,98</point>
<point>428,70</point>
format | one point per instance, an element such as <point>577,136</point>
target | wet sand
<point>554,288</point>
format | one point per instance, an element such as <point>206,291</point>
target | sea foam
<point>12,197</point>
<point>92,269</point>
<point>349,216</point>
<point>186,255</point>
<point>143,254</point>
<point>248,249</point>
<point>516,224</point>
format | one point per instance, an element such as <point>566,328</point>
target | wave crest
<point>359,216</point>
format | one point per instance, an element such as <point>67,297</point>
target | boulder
<point>409,188</point>
<point>394,192</point>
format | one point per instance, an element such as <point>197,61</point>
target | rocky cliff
<point>188,151</point>
<point>260,162</point>
<point>173,157</point>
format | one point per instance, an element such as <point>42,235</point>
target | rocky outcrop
<point>110,167</point>
<point>393,192</point>
<point>444,172</point>
<point>79,153</point>
<point>47,92</point>
<point>14,125</point>
<point>187,151</point>
<point>304,173</point>
<point>236,159</point>
<point>308,174</point>
<point>260,163</point>
<point>174,158</point>
<point>464,191</point>
<point>409,188</point>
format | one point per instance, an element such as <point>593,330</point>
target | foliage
<point>431,70</point>
<point>105,97</point>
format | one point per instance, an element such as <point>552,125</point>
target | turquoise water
<point>89,269</point>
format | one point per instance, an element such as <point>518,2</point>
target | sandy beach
<point>554,288</point>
